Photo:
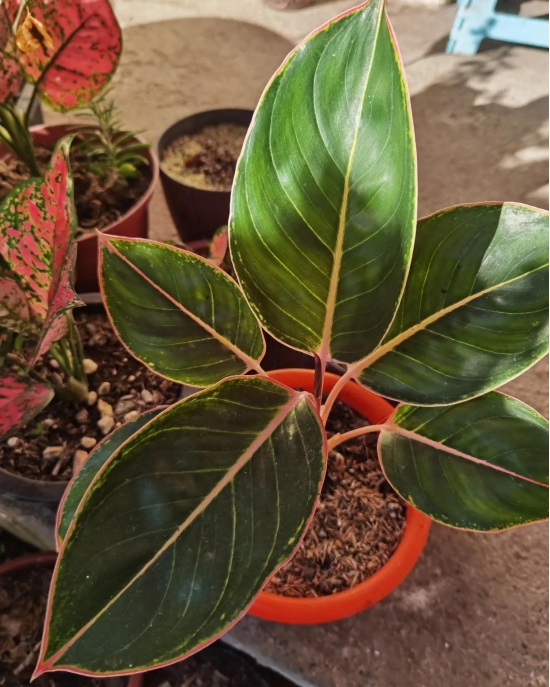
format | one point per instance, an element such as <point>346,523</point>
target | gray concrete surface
<point>474,611</point>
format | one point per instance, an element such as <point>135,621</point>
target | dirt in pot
<point>23,598</point>
<point>216,666</point>
<point>65,432</point>
<point>357,526</point>
<point>206,159</point>
<point>98,203</point>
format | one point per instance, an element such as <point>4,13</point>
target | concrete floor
<point>474,610</point>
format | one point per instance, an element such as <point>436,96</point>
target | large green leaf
<point>475,309</point>
<point>324,199</point>
<point>176,312</point>
<point>95,461</point>
<point>182,527</point>
<point>480,465</point>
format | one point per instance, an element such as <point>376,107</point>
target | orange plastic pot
<point>311,611</point>
<point>132,224</point>
<point>48,559</point>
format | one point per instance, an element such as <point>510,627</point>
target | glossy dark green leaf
<point>324,199</point>
<point>177,313</point>
<point>183,526</point>
<point>475,309</point>
<point>95,461</point>
<point>479,465</point>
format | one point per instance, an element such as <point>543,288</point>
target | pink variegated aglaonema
<point>37,256</point>
<point>68,50</point>
<point>86,41</point>
<point>37,228</point>
<point>21,399</point>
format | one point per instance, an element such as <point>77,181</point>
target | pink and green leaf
<point>11,76</point>
<point>21,399</point>
<point>37,227</point>
<point>15,314</point>
<point>87,45</point>
<point>218,246</point>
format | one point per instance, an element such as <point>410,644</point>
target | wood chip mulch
<point>357,526</point>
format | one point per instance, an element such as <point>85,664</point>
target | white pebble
<point>13,442</point>
<point>132,378</point>
<point>147,396</point>
<point>106,424</point>
<point>90,366</point>
<point>88,442</point>
<point>105,408</point>
<point>82,416</point>
<point>376,653</point>
<point>104,388</point>
<point>132,415</point>
<point>49,422</point>
<point>52,451</point>
<point>53,363</point>
<point>92,398</point>
<point>79,459</point>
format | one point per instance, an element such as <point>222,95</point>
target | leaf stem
<point>318,380</point>
<point>333,395</point>
<point>338,439</point>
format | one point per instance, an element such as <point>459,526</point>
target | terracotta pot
<point>48,559</point>
<point>311,611</point>
<point>196,212</point>
<point>133,224</point>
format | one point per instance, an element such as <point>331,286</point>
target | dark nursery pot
<point>48,560</point>
<point>324,609</point>
<point>196,212</point>
<point>133,224</point>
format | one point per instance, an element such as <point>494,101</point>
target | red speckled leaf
<point>15,314</point>
<point>87,46</point>
<point>20,400</point>
<point>37,226</point>
<point>218,246</point>
<point>11,76</point>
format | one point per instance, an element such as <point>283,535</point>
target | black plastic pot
<point>196,212</point>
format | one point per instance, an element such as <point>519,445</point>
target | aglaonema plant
<point>68,50</point>
<point>37,256</point>
<point>169,535</point>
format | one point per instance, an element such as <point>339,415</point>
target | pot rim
<point>340,605</point>
<point>165,139</point>
<point>145,199</point>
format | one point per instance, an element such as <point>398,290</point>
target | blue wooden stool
<point>477,19</point>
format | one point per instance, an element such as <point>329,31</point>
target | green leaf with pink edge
<point>87,45</point>
<point>190,516</point>
<point>37,228</point>
<point>21,399</point>
<point>11,75</point>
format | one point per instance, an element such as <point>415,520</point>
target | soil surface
<point>120,381</point>
<point>98,203</point>
<point>207,159</point>
<point>216,666</point>
<point>23,598</point>
<point>358,524</point>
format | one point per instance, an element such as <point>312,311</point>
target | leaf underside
<point>501,481</point>
<point>183,526</point>
<point>475,309</point>
<point>324,199</point>
<point>177,313</point>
